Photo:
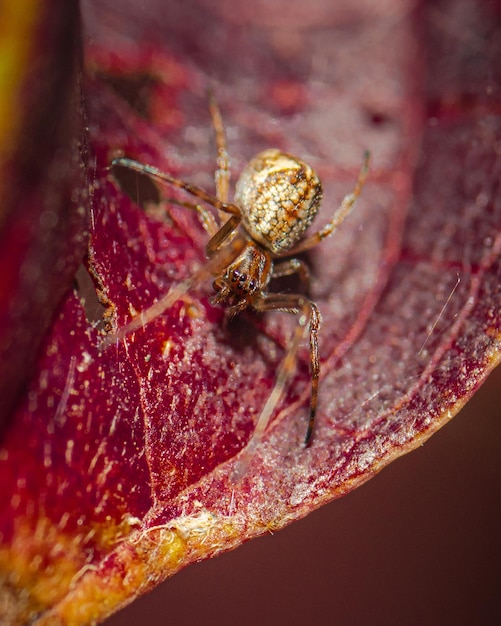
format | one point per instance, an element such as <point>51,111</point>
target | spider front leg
<point>222,234</point>
<point>309,315</point>
<point>163,177</point>
<point>208,222</point>
<point>339,215</point>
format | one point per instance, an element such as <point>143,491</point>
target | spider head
<point>244,278</point>
<point>234,286</point>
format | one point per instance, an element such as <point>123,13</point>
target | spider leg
<point>206,218</point>
<point>339,215</point>
<point>222,175</point>
<point>222,234</point>
<point>292,266</point>
<point>212,267</point>
<point>309,315</point>
<point>194,190</point>
<point>208,221</point>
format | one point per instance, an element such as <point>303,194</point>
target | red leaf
<point>117,467</point>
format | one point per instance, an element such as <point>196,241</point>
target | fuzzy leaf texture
<point>117,464</point>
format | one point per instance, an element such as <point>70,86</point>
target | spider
<point>276,198</point>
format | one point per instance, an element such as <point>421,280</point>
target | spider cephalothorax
<point>244,279</point>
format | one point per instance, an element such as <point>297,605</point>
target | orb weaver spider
<point>277,197</point>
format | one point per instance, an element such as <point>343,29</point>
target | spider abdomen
<point>279,196</point>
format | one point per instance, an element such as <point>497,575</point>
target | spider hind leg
<point>308,316</point>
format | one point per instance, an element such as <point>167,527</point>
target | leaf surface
<point>118,465</point>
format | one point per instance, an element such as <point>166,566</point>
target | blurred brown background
<point>419,544</point>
